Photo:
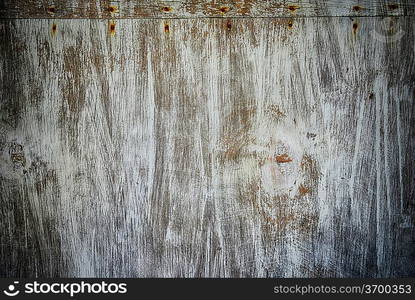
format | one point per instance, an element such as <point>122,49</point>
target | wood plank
<point>202,9</point>
<point>207,148</point>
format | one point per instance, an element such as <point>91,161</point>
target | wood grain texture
<point>207,148</point>
<point>201,9</point>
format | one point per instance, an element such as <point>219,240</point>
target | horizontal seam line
<point>204,18</point>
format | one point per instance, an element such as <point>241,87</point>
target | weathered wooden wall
<point>202,9</point>
<point>207,147</point>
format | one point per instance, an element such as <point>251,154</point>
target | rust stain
<point>166,28</point>
<point>224,9</point>
<point>212,8</point>
<point>290,24</point>
<point>54,28</point>
<point>229,25</point>
<point>355,27</point>
<point>283,158</point>
<point>357,8</point>
<point>111,28</point>
<point>293,8</point>
<point>112,9</point>
<point>303,190</point>
<point>51,10</point>
<point>166,9</point>
<point>393,6</point>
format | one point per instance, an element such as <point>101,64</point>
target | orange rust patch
<point>166,9</point>
<point>290,24</point>
<point>229,25</point>
<point>303,190</point>
<point>355,27</point>
<point>211,8</point>
<point>112,9</point>
<point>293,7</point>
<point>166,28</point>
<point>357,8</point>
<point>283,158</point>
<point>111,27</point>
<point>224,9</point>
<point>54,28</point>
<point>393,6</point>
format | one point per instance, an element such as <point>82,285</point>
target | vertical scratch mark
<point>386,153</point>
<point>356,149</point>
<point>387,174</point>
<point>151,132</point>
<point>379,239</point>
<point>398,132</point>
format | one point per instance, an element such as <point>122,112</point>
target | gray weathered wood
<point>200,9</point>
<point>207,147</point>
